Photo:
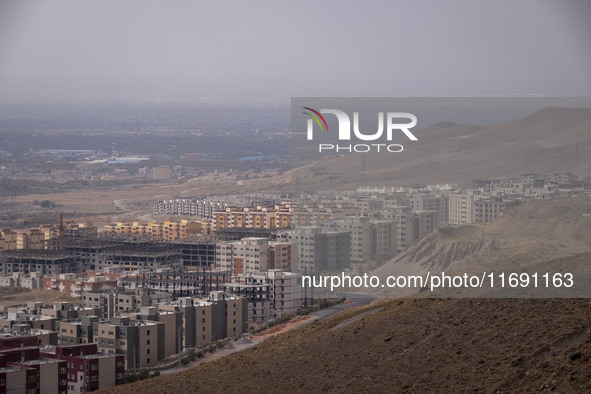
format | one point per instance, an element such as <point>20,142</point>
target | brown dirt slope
<point>421,345</point>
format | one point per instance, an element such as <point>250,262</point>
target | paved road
<point>358,299</point>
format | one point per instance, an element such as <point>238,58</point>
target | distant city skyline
<point>186,49</point>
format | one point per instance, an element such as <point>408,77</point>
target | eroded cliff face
<point>550,235</point>
<point>432,254</point>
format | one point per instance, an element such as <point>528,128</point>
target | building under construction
<point>101,254</point>
<point>45,262</point>
<point>180,282</point>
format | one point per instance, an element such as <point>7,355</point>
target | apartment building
<point>167,230</point>
<point>315,249</point>
<point>42,337</point>
<point>23,369</point>
<point>410,226</point>
<point>196,321</point>
<point>87,368</point>
<point>488,209</point>
<point>140,342</point>
<point>359,229</point>
<point>190,207</point>
<point>18,316</point>
<point>370,204</point>
<point>316,213</point>
<point>260,308</point>
<point>229,315</point>
<point>254,218</point>
<point>30,281</point>
<point>561,178</point>
<point>460,208</point>
<point>19,240</point>
<point>246,255</point>
<point>429,202</point>
<point>285,290</point>
<point>76,332</point>
<point>30,239</point>
<point>280,255</point>
<point>382,237</point>
<point>283,219</point>
<point>9,239</point>
<point>113,302</point>
<point>423,223</point>
<point>173,326</point>
<point>197,253</point>
<point>206,321</point>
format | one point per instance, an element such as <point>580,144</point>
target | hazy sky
<point>181,49</point>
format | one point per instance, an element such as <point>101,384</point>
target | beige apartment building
<point>196,320</point>
<point>141,342</point>
<point>167,230</point>
<point>247,255</point>
<point>257,217</point>
<point>173,326</point>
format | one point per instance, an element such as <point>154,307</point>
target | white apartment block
<point>246,255</point>
<point>460,208</point>
<point>271,294</point>
<point>285,292</point>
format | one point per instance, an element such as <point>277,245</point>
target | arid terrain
<point>20,296</point>
<point>553,139</point>
<point>126,204</point>
<point>411,345</point>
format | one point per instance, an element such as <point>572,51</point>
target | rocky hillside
<point>539,236</point>
<point>419,345</point>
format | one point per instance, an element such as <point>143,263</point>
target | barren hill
<point>553,235</point>
<point>421,345</point>
<point>553,139</point>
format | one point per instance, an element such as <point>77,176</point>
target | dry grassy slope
<point>545,141</point>
<point>538,234</point>
<point>425,345</point>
